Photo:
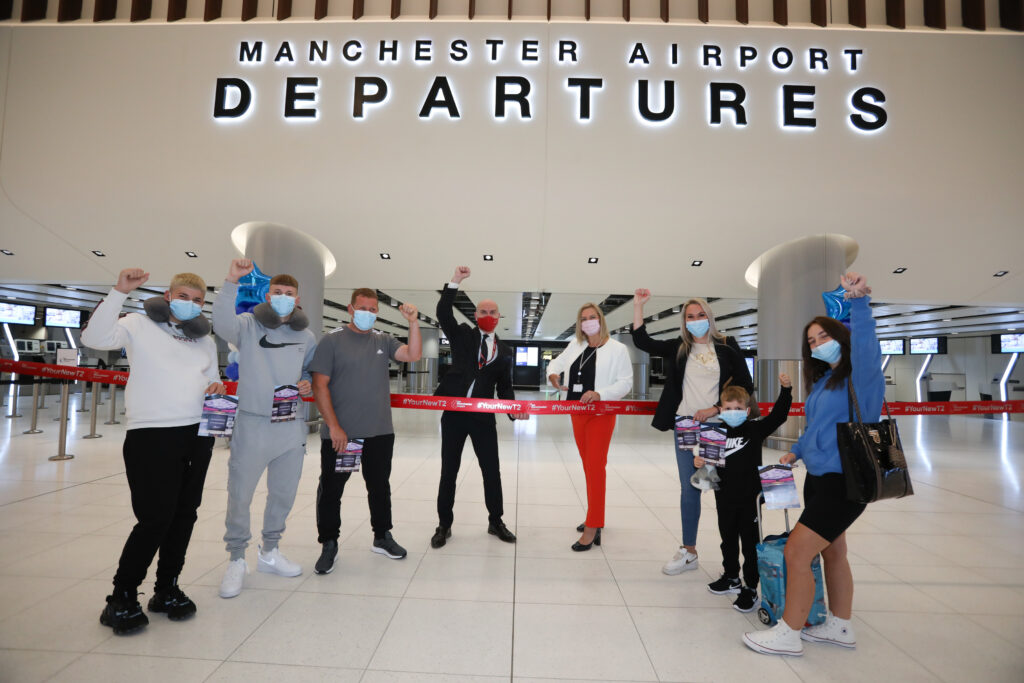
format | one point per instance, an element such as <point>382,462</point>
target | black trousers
<point>455,427</point>
<point>737,525</point>
<point>166,469</point>
<point>376,469</point>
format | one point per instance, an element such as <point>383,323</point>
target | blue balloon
<point>252,290</point>
<point>232,371</point>
<point>836,305</point>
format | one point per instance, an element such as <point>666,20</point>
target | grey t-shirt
<point>360,386</point>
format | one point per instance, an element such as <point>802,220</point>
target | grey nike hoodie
<point>267,358</point>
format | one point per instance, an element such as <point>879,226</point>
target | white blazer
<point>613,372</point>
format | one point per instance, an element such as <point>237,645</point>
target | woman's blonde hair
<point>580,335</point>
<point>716,336</point>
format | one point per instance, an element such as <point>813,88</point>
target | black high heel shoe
<point>580,547</point>
<point>583,527</point>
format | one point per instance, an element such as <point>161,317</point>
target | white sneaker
<point>234,577</point>
<point>682,561</point>
<point>778,640</point>
<point>273,562</point>
<point>835,631</point>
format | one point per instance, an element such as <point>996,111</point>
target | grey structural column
<point>279,249</point>
<point>641,361</point>
<point>790,279</point>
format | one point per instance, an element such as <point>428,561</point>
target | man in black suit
<point>481,363</point>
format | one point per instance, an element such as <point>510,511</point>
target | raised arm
<point>103,331</point>
<point>641,339</point>
<point>780,411</point>
<point>445,315</point>
<point>225,322</point>
<point>413,351</point>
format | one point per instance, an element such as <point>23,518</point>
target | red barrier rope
<point>497,405</point>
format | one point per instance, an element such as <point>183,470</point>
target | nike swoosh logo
<point>271,345</point>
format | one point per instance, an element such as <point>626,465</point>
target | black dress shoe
<point>501,531</point>
<point>580,547</point>
<point>441,536</point>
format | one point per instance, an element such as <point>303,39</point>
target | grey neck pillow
<point>265,315</point>
<point>159,311</point>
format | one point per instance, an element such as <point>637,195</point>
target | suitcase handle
<point>760,529</point>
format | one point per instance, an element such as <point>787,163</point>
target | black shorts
<point>827,512</point>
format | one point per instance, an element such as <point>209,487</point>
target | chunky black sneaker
<point>176,604</point>
<point>725,585</point>
<point>123,613</point>
<point>388,547</point>
<point>747,600</point>
<point>325,565</point>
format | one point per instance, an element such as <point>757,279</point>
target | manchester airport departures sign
<point>655,101</point>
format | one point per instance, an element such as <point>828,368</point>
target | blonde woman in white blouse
<point>595,368</point>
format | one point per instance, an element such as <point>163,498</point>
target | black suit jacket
<point>465,346</point>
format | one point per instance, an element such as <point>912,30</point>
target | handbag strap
<point>853,403</point>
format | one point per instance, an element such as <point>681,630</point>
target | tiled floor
<point>939,593</point>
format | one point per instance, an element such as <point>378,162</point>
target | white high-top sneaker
<point>778,640</point>
<point>273,562</point>
<point>234,578</point>
<point>681,562</point>
<point>835,631</point>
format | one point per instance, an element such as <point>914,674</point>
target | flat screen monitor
<point>17,314</point>
<point>1011,343</point>
<point>893,347</point>
<point>63,317</point>
<point>927,345</point>
<point>527,355</point>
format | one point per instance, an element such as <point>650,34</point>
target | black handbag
<point>874,466</point>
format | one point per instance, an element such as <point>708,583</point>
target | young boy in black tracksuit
<point>735,499</point>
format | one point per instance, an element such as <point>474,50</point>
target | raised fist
<point>409,312</point>
<point>461,273</point>
<point>641,296</point>
<point>784,380</point>
<point>130,278</point>
<point>855,284</point>
<point>239,268</point>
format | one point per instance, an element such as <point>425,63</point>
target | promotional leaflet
<point>779,487</point>
<point>687,430</point>
<point>218,415</point>
<point>350,459</point>
<point>286,403</point>
<point>712,443</point>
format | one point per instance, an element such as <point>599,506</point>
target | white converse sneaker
<point>273,562</point>
<point>778,640</point>
<point>234,577</point>
<point>835,631</point>
<point>682,561</point>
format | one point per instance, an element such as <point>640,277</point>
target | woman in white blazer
<point>596,368</point>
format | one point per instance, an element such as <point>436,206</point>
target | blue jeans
<point>689,497</point>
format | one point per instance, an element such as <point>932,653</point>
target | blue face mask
<point>830,351</point>
<point>364,320</point>
<point>733,418</point>
<point>282,304</point>
<point>185,310</point>
<point>698,328</point>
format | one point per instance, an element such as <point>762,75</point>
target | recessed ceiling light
<point>7,252</point>
<point>98,252</point>
<point>1001,273</point>
<point>385,256</point>
<point>697,262</point>
<point>947,320</point>
<point>70,287</point>
<point>1011,329</point>
<point>592,259</point>
<point>899,270</point>
<point>488,257</point>
<point>191,254</point>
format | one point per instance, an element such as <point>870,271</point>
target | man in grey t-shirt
<point>352,387</point>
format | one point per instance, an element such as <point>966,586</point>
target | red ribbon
<point>530,406</point>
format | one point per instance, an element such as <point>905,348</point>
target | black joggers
<point>166,469</point>
<point>376,469</point>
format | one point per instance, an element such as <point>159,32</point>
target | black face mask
<point>265,315</point>
<point>159,311</point>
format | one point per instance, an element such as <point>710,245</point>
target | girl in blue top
<point>833,357</point>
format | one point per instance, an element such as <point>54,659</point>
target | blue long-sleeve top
<point>817,446</point>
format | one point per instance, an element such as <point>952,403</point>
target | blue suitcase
<point>771,568</point>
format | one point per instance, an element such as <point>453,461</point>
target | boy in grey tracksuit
<point>274,349</point>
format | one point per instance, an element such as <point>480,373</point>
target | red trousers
<point>593,435</point>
